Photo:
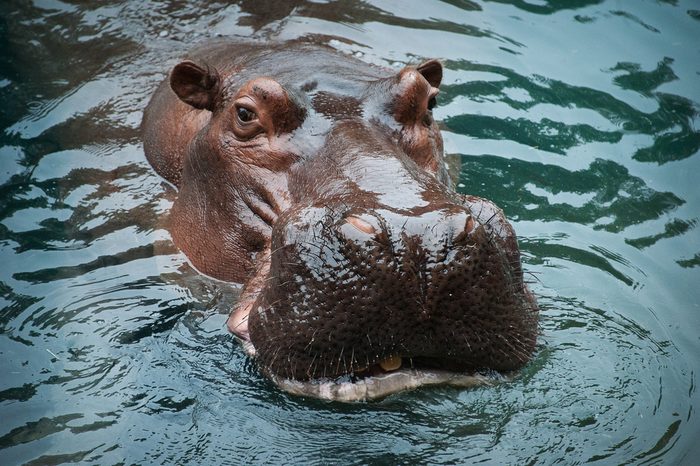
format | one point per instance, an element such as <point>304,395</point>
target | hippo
<point>319,183</point>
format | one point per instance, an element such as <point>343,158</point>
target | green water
<point>579,118</point>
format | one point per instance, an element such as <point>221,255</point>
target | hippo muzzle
<point>323,190</point>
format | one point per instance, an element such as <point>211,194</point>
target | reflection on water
<point>579,118</point>
<point>603,195</point>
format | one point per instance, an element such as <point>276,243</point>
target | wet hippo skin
<point>318,181</point>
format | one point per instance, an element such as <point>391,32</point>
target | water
<point>579,118</point>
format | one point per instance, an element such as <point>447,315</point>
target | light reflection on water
<point>578,118</point>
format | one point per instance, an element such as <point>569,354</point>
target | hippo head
<point>319,182</point>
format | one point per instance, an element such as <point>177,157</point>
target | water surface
<point>579,118</point>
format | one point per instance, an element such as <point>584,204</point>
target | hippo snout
<point>352,291</point>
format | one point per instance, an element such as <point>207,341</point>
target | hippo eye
<point>245,115</point>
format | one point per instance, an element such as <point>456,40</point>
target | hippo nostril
<point>462,232</point>
<point>358,229</point>
<point>360,224</point>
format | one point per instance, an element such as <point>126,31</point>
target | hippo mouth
<point>391,375</point>
<point>382,383</point>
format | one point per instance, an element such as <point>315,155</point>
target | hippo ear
<point>195,85</point>
<point>432,72</point>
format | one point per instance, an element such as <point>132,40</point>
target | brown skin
<point>318,181</point>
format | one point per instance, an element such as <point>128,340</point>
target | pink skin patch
<point>238,320</point>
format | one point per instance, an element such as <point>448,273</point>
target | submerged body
<point>318,181</point>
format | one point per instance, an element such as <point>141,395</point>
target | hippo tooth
<point>391,363</point>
